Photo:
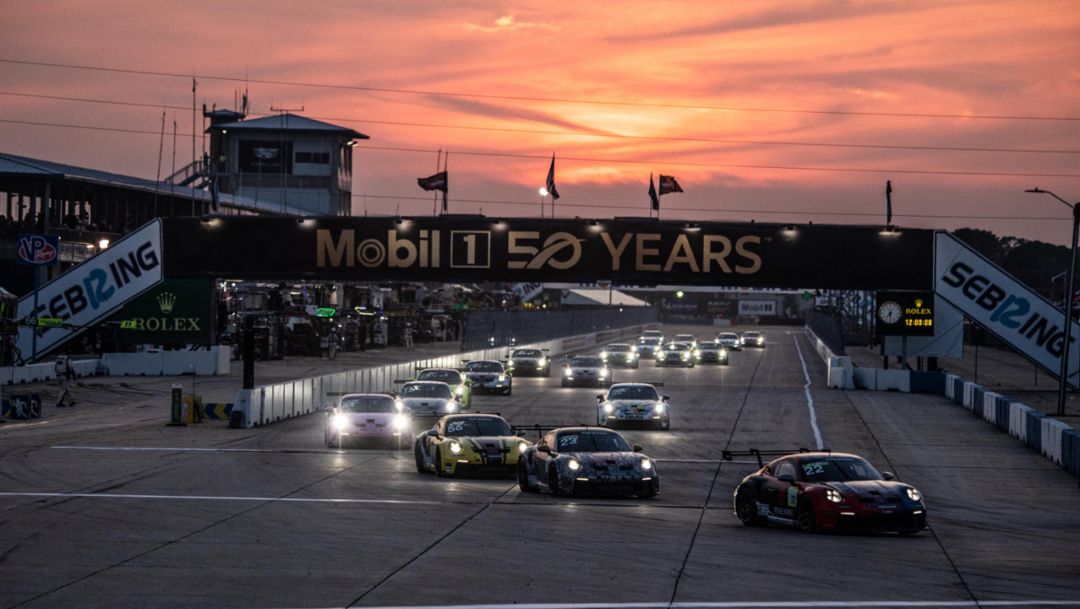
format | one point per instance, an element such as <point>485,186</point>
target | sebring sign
<point>476,248</point>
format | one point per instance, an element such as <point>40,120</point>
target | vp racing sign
<point>1003,305</point>
<point>93,290</point>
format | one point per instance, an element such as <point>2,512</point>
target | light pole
<point>543,193</point>
<point>1066,345</point>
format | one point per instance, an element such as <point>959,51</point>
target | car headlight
<point>913,494</point>
<point>602,373</point>
<point>502,378</point>
<point>646,464</point>
<point>686,356</point>
<point>660,408</point>
<point>723,353</point>
<point>399,405</point>
<point>340,421</point>
<point>401,422</point>
<point>522,446</point>
<point>460,390</point>
<point>455,447</point>
<point>573,465</point>
<point>451,406</point>
<point>542,361</point>
<point>608,408</point>
<point>833,495</point>
<point>631,355</point>
<point>697,353</point>
<point>603,354</point>
<point>634,348</point>
<point>568,372</point>
<point>660,354</point>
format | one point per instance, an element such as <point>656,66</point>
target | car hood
<point>482,443</point>
<point>415,402</point>
<point>378,417</point>
<point>633,403</point>
<point>870,489</point>
<point>483,376</point>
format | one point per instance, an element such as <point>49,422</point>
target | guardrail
<point>267,404</point>
<point>1052,438</point>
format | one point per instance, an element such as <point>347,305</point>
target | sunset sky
<point>775,111</point>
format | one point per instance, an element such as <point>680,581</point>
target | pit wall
<point>267,404</point>
<point>1053,439</point>
<point>215,361</point>
<point>38,373</point>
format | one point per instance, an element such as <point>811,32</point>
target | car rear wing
<point>539,430</point>
<point>728,455</point>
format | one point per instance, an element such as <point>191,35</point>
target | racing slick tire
<point>564,383</point>
<point>664,425</point>
<point>508,391</point>
<point>523,478</point>
<point>553,480</point>
<point>419,459</point>
<point>650,492</point>
<point>805,518</point>
<point>746,509</point>
<point>438,463</point>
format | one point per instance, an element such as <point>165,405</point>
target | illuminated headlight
<point>686,356</point>
<point>401,422</point>
<point>451,407</point>
<point>631,355</point>
<point>608,408</point>
<point>522,446</point>
<point>634,348</point>
<point>603,354</point>
<point>455,447</point>
<point>602,373</point>
<point>646,464</point>
<point>542,361</point>
<point>697,353</point>
<point>913,494</point>
<point>660,354</point>
<point>660,408</point>
<point>569,372</point>
<point>502,378</point>
<point>399,405</point>
<point>833,495</point>
<point>460,390</point>
<point>340,421</point>
<point>723,353</point>
<point>573,465</point>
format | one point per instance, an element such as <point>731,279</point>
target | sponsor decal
<point>39,250</point>
<point>757,307</point>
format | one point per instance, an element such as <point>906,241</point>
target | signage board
<point>757,307</point>
<point>92,291</point>
<point>174,313</point>
<point>529,250</point>
<point>909,313</point>
<point>38,250</point>
<point>1004,306</point>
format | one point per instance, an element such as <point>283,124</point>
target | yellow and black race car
<point>469,443</point>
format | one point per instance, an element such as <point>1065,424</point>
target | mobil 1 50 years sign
<point>477,248</point>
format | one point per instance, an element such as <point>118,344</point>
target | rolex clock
<point>890,312</point>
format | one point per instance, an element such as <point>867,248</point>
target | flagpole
<point>435,197</point>
<point>446,163</point>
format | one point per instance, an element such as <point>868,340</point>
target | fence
<point>828,330</point>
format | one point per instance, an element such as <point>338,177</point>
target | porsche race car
<point>751,338</point>
<point>469,443</point>
<point>458,382</point>
<point>711,353</point>
<point>428,399</point>
<point>633,403</point>
<point>729,340</point>
<point>675,354</point>
<point>572,460</point>
<point>529,362</point>
<point>367,417</point>
<point>822,491</point>
<point>587,370</point>
<point>648,346</point>
<point>489,376</point>
<point>621,355</point>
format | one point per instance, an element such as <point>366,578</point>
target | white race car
<point>620,354</point>
<point>488,376</point>
<point>587,370</point>
<point>633,403</point>
<point>428,399</point>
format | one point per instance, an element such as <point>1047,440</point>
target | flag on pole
<point>434,182</point>
<point>550,185</point>
<point>652,194</point>
<point>888,202</point>
<point>669,184</point>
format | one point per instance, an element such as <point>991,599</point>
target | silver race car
<point>489,376</point>
<point>586,370</point>
<point>675,354</point>
<point>648,346</point>
<point>367,418</point>
<point>574,460</point>
<point>633,404</point>
<point>729,340</point>
<point>711,353</point>
<point>621,355</point>
<point>428,399</point>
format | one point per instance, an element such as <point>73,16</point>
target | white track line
<point>167,449</point>
<point>752,605</point>
<point>809,398</point>
<point>217,498</point>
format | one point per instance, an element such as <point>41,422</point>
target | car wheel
<point>553,480</point>
<point>439,463</point>
<point>508,391</point>
<point>564,383</point>
<point>523,478</point>
<point>746,508</point>
<point>650,491</point>
<point>329,439</point>
<point>665,425</point>
<point>805,517</point>
<point>419,458</point>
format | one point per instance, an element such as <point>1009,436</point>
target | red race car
<point>825,491</point>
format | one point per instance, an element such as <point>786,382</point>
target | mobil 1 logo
<point>470,249</point>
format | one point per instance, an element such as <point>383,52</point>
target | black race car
<point>529,362</point>
<point>711,353</point>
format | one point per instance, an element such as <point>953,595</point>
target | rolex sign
<point>176,313</point>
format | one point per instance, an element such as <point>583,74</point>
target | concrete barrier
<point>839,372</point>
<point>46,371</point>
<point>212,362</point>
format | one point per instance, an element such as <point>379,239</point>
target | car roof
<point>751,332</point>
<point>483,361</point>
<point>469,415</point>
<point>631,385</point>
<point>369,395</point>
<point>440,370</point>
<point>426,383</point>
<point>619,345</point>
<point>707,344</point>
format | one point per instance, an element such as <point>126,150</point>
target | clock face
<point>889,312</point>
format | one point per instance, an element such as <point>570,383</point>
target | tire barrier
<point>1048,436</point>
<point>267,404</point>
<point>21,406</point>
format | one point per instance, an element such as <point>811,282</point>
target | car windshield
<point>684,338</point>
<point>727,336</point>
<point>675,347</point>
<point>587,362</point>
<point>527,353</point>
<point>591,442</point>
<point>483,367</point>
<point>837,469</point>
<point>708,346</point>
<point>425,390</point>
<point>374,403</point>
<point>633,392</point>
<point>618,348</point>
<point>751,334</point>
<point>451,377</point>
<point>652,333</point>
<point>650,341</point>
<point>477,426</point>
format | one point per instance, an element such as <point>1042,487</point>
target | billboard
<point>91,291</point>
<point>1004,306</point>
<point>527,250</point>
<point>757,307</point>
<point>174,313</point>
<point>909,313</point>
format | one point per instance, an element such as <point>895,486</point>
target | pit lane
<point>270,518</point>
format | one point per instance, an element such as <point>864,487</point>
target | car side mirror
<point>432,433</point>
<point>665,398</point>
<point>888,475</point>
<point>638,448</point>
<point>544,448</point>
<point>599,397</point>
<point>786,478</point>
